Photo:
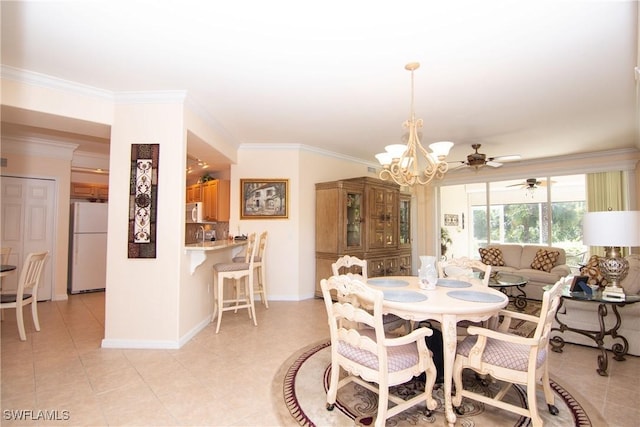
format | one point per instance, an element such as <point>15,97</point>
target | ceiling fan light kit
<point>401,163</point>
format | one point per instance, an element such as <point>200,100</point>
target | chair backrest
<point>463,266</point>
<point>351,333</point>
<point>550,303</point>
<point>262,246</point>
<point>4,255</point>
<point>250,253</point>
<point>31,274</point>
<point>347,262</point>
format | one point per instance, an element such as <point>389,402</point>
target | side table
<point>619,349</point>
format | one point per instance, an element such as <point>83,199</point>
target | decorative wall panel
<point>143,200</point>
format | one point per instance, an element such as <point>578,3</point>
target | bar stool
<point>259,264</point>
<point>242,275</point>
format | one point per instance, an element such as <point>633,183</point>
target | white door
<point>27,226</point>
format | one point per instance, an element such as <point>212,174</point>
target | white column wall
<point>142,298</point>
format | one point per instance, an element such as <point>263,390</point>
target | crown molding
<point>125,97</point>
<point>151,97</point>
<point>38,147</point>
<point>55,83</point>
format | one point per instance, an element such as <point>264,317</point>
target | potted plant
<point>445,241</point>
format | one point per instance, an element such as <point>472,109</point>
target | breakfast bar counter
<point>198,251</point>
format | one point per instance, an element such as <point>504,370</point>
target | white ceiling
<point>537,78</point>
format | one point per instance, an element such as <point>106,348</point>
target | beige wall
<point>291,248</point>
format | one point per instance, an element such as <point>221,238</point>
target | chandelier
<point>401,162</point>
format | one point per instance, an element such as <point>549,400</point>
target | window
<point>541,211</point>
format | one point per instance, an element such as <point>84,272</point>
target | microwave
<point>193,213</point>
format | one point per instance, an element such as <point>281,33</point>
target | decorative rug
<point>302,382</point>
<point>522,327</point>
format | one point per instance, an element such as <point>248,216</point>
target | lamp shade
<point>611,228</point>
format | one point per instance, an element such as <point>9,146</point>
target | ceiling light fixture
<point>401,163</point>
<point>192,162</point>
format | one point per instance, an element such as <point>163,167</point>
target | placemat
<point>404,296</point>
<point>475,296</point>
<point>452,283</point>
<point>387,283</point>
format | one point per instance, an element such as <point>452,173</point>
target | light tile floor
<point>221,380</point>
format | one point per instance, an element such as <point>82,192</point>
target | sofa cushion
<point>511,254</point>
<point>592,271</point>
<point>544,260</point>
<point>491,256</point>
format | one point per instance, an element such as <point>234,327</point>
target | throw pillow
<point>491,256</point>
<point>592,270</point>
<point>545,260</point>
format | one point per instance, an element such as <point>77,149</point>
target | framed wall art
<point>264,198</point>
<point>451,220</point>
<point>143,200</point>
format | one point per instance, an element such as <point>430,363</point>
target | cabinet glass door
<point>405,228</point>
<point>354,229</point>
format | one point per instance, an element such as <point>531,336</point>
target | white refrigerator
<point>87,247</point>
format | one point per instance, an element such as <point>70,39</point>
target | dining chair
<point>5,251</point>
<point>511,359</point>
<point>27,291</point>
<point>259,264</point>
<point>367,355</point>
<point>241,275</point>
<point>463,268</point>
<point>356,268</point>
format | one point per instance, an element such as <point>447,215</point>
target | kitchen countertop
<point>214,246</point>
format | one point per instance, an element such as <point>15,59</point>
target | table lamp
<point>613,230</point>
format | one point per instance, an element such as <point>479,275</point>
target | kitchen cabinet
<point>89,191</point>
<point>363,217</point>
<point>216,200</point>
<point>194,193</point>
<point>214,195</point>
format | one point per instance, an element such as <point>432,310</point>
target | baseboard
<point>157,344</point>
<point>140,344</point>
<point>194,331</point>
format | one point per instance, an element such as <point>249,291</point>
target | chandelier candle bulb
<point>401,164</point>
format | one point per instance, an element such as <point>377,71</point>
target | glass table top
<point>502,279</point>
<point>594,297</point>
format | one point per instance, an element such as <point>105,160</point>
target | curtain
<point>606,190</point>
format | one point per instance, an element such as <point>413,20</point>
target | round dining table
<point>6,269</point>
<point>451,301</point>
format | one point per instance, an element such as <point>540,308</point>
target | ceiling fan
<point>531,183</point>
<point>478,160</point>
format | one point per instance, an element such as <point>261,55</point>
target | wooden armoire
<point>363,217</point>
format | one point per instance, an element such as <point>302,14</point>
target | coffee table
<point>506,283</point>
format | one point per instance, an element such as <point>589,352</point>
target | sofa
<point>541,265</point>
<point>584,315</point>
